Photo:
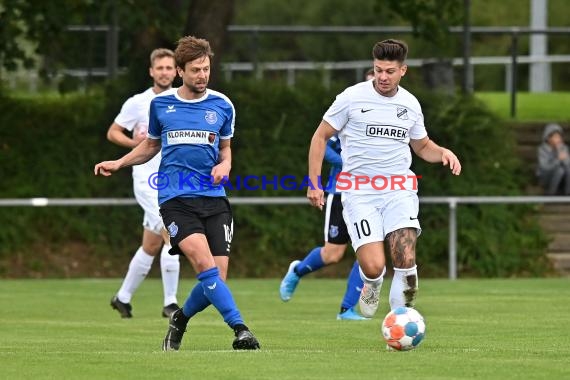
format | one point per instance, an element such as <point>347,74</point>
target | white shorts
<point>147,198</point>
<point>370,217</point>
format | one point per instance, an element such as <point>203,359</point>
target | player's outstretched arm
<point>141,154</point>
<point>106,168</point>
<point>317,149</point>
<point>431,152</point>
<point>116,134</point>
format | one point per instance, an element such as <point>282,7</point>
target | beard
<point>164,87</point>
<point>198,90</point>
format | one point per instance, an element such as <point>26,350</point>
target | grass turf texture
<point>476,329</point>
<point>539,107</point>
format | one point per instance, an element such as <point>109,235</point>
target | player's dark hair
<point>190,48</point>
<point>390,50</point>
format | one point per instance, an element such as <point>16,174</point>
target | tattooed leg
<point>404,287</point>
<point>402,245</point>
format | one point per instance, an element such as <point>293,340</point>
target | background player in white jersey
<point>193,126</point>
<point>377,122</point>
<point>133,118</point>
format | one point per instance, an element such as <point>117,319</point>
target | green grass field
<point>553,106</point>
<point>476,329</point>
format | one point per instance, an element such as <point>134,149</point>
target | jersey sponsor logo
<point>211,117</point>
<point>189,136</point>
<point>172,229</point>
<point>388,131</point>
<point>170,109</point>
<point>402,113</point>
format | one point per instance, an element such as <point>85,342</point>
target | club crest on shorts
<point>211,117</point>
<point>333,231</point>
<point>172,229</point>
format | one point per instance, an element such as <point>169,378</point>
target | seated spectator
<point>553,162</point>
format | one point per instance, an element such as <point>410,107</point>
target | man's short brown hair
<point>160,53</point>
<point>190,48</point>
<point>390,50</point>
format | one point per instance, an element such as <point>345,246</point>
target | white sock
<point>376,282</point>
<point>404,287</point>
<point>170,269</point>
<point>138,269</point>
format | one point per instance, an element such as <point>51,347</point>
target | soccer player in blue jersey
<point>194,125</point>
<point>336,241</point>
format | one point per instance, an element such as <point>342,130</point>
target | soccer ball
<point>403,328</point>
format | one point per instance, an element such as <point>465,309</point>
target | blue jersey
<point>190,133</point>
<point>332,156</point>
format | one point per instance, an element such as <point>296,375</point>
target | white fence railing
<point>452,203</point>
<point>291,68</point>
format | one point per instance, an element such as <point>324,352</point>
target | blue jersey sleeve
<point>332,153</point>
<point>154,127</point>
<point>227,129</point>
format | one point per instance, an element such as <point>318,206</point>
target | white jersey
<point>375,133</point>
<point>134,118</point>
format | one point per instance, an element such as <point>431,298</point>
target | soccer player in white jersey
<point>193,125</point>
<point>133,119</point>
<point>377,123</point>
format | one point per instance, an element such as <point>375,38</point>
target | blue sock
<point>196,301</point>
<point>312,262</point>
<point>353,288</point>
<point>218,293</point>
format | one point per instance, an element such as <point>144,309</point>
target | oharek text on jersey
<point>389,131</point>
